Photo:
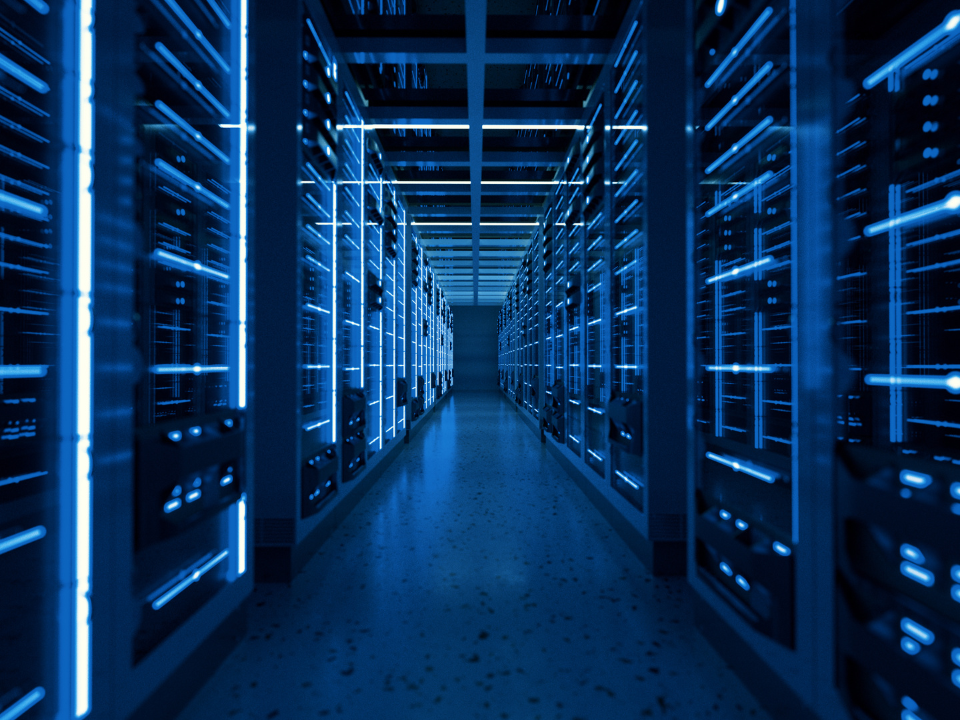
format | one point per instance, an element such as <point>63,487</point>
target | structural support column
<point>476,19</point>
<point>668,160</point>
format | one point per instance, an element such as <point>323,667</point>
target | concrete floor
<point>474,580</point>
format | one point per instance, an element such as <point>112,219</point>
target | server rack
<point>761,506</point>
<point>628,207</point>
<point>596,290</point>
<point>337,226</point>
<point>45,206</point>
<point>372,275</point>
<point>171,480</point>
<point>745,317</point>
<point>610,404</point>
<point>898,480</point>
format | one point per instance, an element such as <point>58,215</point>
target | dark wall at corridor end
<point>475,347</point>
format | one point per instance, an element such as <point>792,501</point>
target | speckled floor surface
<point>474,580</point>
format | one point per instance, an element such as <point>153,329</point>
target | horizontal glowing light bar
<point>915,479</point>
<point>431,182</point>
<point>626,479</point>
<point>738,48</point>
<point>20,478</point>
<point>24,703</point>
<point>534,127</point>
<point>169,170</point>
<point>25,76</point>
<point>949,25</point>
<point>739,270</point>
<point>740,194</point>
<point>314,425</point>
<point>917,573</point>
<point>18,540</point>
<point>737,465</point>
<point>191,578</point>
<point>172,505</point>
<point>949,382</point>
<point>950,204</point>
<point>740,144</point>
<point>917,631</point>
<point>184,369</point>
<point>22,371</point>
<point>231,126</point>
<point>22,206</point>
<point>641,128</point>
<point>404,126</point>
<point>194,134</point>
<point>171,260</point>
<point>911,553</point>
<point>780,549</point>
<point>735,100</point>
<point>736,368</point>
<point>482,224</point>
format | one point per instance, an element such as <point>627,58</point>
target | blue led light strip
<point>917,631</point>
<point>740,144</point>
<point>737,271</point>
<point>241,536</point>
<point>737,368</point>
<point>191,131</point>
<point>168,258</point>
<point>22,206</point>
<point>20,478</point>
<point>186,369</point>
<point>949,205</point>
<point>25,76</point>
<point>742,193</point>
<point>939,33</point>
<point>18,540</point>
<point>738,48</point>
<point>23,704</point>
<point>744,466</point>
<point>949,382</point>
<point>334,323</point>
<point>84,362</point>
<point>22,371</point>
<point>191,78</point>
<point>735,100</point>
<point>192,576</point>
<point>169,170</point>
<point>194,32</point>
<point>627,480</point>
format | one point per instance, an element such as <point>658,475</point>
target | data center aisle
<point>474,581</point>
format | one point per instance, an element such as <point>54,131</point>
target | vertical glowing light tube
<point>334,320</point>
<point>84,377</point>
<point>363,264</point>
<point>241,553</point>
<point>241,399</point>
<point>380,430</point>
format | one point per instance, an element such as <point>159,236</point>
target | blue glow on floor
<point>474,579</point>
